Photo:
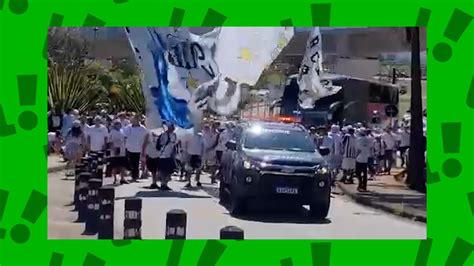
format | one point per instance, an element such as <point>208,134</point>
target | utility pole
<point>415,178</point>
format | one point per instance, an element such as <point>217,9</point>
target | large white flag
<point>184,73</point>
<point>243,53</point>
<point>309,82</point>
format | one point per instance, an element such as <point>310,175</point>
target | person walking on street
<point>118,159</point>
<point>68,120</point>
<point>209,156</point>
<point>151,157</point>
<point>379,154</point>
<point>135,136</point>
<point>336,158</point>
<point>97,136</point>
<point>389,144</point>
<point>224,137</point>
<point>371,160</point>
<point>76,145</point>
<point>167,163</point>
<point>349,155</point>
<point>364,148</point>
<point>193,148</point>
<point>404,144</point>
<point>55,120</point>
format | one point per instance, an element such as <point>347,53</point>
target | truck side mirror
<point>324,151</point>
<point>231,145</point>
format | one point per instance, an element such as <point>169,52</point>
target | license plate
<point>286,190</point>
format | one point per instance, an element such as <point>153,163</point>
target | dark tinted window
<point>278,139</point>
<point>382,94</point>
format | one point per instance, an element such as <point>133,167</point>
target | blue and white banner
<point>174,62</point>
<point>311,87</point>
<point>184,73</point>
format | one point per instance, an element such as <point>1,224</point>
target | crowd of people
<point>133,150</point>
<point>363,151</point>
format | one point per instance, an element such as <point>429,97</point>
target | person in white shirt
<point>97,136</point>
<point>209,140</point>
<point>389,144</point>
<point>193,151</point>
<point>336,158</point>
<point>134,138</point>
<point>349,155</point>
<point>404,136</point>
<point>118,159</point>
<point>364,150</point>
<point>151,157</point>
<point>167,164</point>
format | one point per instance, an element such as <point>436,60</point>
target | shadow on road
<point>280,215</point>
<point>163,194</point>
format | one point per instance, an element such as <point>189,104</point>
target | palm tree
<point>73,88</point>
<point>415,178</point>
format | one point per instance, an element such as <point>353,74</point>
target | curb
<point>366,202</point>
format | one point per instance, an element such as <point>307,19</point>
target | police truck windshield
<point>276,139</point>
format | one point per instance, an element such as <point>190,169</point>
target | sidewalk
<point>55,164</point>
<point>389,195</point>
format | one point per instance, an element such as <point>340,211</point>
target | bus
<point>357,101</point>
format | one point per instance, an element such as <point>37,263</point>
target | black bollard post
<point>92,214</point>
<point>83,190</point>
<point>232,232</point>
<point>106,210</point>
<point>132,224</point>
<point>108,169</point>
<point>100,165</point>
<point>176,224</point>
<point>80,168</point>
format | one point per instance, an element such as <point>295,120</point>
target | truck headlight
<point>322,170</point>
<point>247,164</point>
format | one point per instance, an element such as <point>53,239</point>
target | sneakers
<point>198,184</point>
<point>188,185</point>
<point>154,186</point>
<point>123,181</point>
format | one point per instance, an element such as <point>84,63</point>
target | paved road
<point>346,220</point>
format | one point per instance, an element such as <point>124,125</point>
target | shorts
<point>195,162</point>
<point>166,166</point>
<point>335,161</point>
<point>116,162</point>
<point>348,163</point>
<point>152,164</point>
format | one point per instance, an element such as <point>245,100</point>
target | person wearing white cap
<point>75,145</point>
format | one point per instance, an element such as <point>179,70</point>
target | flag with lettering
<point>174,63</point>
<point>311,88</point>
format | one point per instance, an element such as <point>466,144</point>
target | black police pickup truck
<point>277,163</point>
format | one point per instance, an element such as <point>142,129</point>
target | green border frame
<point>23,27</point>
